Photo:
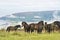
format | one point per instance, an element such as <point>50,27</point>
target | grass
<point>28,36</point>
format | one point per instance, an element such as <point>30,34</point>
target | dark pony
<point>11,28</point>
<point>49,27</point>
<point>37,27</point>
<point>26,27</point>
<point>40,26</point>
<point>57,25</point>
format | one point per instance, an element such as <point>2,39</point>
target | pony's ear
<point>23,22</point>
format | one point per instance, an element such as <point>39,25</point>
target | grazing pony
<point>13,28</point>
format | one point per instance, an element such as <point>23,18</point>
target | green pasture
<point>28,36</point>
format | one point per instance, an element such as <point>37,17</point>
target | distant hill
<point>29,16</point>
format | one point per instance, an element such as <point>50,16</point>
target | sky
<point>14,6</point>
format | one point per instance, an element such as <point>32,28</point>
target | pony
<point>9,28</point>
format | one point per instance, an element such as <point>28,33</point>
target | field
<point>28,36</point>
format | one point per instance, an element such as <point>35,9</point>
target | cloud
<point>11,16</point>
<point>2,22</point>
<point>56,16</point>
<point>37,17</point>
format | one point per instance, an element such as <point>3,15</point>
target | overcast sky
<point>14,6</point>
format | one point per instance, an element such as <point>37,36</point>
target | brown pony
<point>37,27</point>
<point>49,27</point>
<point>26,27</point>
